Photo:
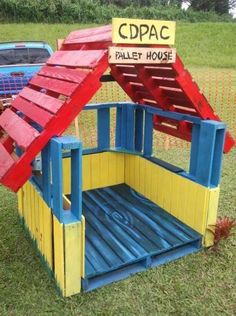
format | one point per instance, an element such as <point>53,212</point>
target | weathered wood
<point>6,160</point>
<point>22,133</point>
<point>72,75</point>
<point>58,86</point>
<point>77,59</point>
<point>32,111</point>
<point>41,99</point>
<point>141,55</point>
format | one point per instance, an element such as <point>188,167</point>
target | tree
<point>219,6</point>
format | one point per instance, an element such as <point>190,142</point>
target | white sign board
<point>141,55</point>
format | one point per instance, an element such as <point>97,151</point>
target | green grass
<point>199,284</point>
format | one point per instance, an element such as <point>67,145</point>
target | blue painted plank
<point>56,160</point>
<point>139,129</point>
<point>209,154</point>
<point>118,142</point>
<point>103,128</point>
<point>129,142</point>
<point>76,182</point>
<point>124,229</point>
<point>148,134</point>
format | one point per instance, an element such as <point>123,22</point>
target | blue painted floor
<point>127,233</point>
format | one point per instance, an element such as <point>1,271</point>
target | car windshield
<point>16,56</point>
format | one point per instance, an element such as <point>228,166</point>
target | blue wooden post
<point>206,152</point>
<point>129,140</point>
<point>76,182</point>
<point>46,176</point>
<point>118,126</point>
<point>58,145</point>
<point>103,128</point>
<point>148,134</point>
<point>125,127</point>
<point>139,129</point>
<point>56,156</point>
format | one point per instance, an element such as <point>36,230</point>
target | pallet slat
<point>41,99</point>
<point>95,34</point>
<point>58,86</point>
<point>32,111</point>
<point>72,75</point>
<point>97,38</point>
<point>6,160</point>
<point>77,59</point>
<point>166,83</point>
<point>22,133</point>
<point>160,72</point>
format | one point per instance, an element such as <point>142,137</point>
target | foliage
<point>219,6</point>
<point>98,11</point>
<point>222,229</point>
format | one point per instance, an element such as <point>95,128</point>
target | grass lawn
<point>199,284</point>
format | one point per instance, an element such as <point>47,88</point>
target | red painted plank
<point>183,102</point>
<point>58,86</point>
<point>18,129</point>
<point>95,34</point>
<point>131,78</point>
<point>32,111</point>
<point>77,59</point>
<point>160,72</point>
<point>41,99</point>
<point>125,69</point>
<point>72,75</point>
<point>6,161</point>
<point>166,83</point>
<point>104,37</point>
<point>143,95</point>
<point>173,93</point>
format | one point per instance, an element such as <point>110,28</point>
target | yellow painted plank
<point>37,219</point>
<point>99,170</point>
<point>26,201</point>
<point>211,216</point>
<point>20,197</point>
<point>41,230</point>
<point>137,31</point>
<point>48,249</point>
<point>59,268</point>
<point>86,172</point>
<point>95,171</point>
<point>32,211</point>
<point>104,170</point>
<point>120,173</point>
<point>73,257</point>
<point>82,247</point>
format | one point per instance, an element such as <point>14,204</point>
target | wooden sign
<point>132,31</point>
<point>141,55</point>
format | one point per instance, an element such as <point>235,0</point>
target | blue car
<point>19,61</point>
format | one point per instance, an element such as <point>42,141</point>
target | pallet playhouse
<point>101,214</point>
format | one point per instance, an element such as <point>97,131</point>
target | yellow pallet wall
<point>193,204</point>
<point>37,217</point>
<point>69,256</point>
<point>99,170</point>
<point>62,246</point>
